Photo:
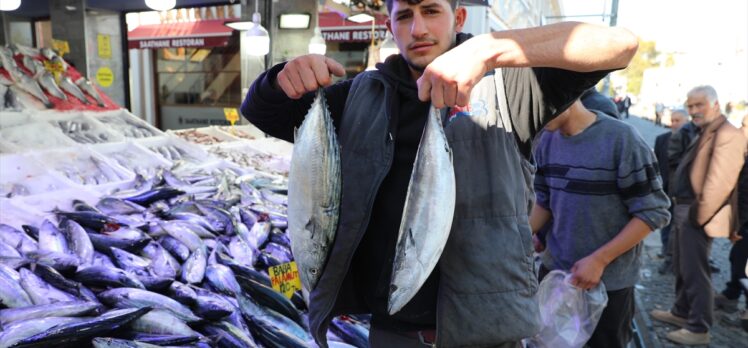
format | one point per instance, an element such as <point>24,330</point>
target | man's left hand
<point>586,273</point>
<point>450,78</point>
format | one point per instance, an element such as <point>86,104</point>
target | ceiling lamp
<point>10,5</point>
<point>161,5</point>
<point>258,40</point>
<point>239,25</point>
<point>388,47</point>
<point>362,17</point>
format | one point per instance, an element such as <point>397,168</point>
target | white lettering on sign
<point>167,43</point>
<point>358,35</point>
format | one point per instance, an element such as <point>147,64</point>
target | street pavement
<point>657,291</point>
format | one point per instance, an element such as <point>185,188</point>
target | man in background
<point>704,192</point>
<point>678,118</point>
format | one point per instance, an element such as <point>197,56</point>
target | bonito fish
<point>47,81</point>
<point>314,192</point>
<point>427,216</point>
<point>67,84</point>
<point>89,88</point>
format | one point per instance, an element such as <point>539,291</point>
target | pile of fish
<point>84,169</point>
<point>83,131</point>
<point>127,127</point>
<point>179,259</point>
<point>250,158</point>
<point>171,152</point>
<point>197,137</point>
<point>33,77</point>
<point>236,132</point>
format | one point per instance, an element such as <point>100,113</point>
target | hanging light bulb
<point>10,5</point>
<point>258,40</point>
<point>161,5</point>
<point>317,44</point>
<point>388,47</point>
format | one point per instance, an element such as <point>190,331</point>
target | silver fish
<point>33,65</point>
<point>91,90</point>
<point>67,84</point>
<point>18,331</point>
<point>47,81</point>
<point>40,291</point>
<point>59,309</point>
<point>12,294</point>
<point>193,270</point>
<point>159,321</point>
<point>427,216</point>
<point>29,85</point>
<point>52,239</point>
<point>314,192</point>
<point>137,298</point>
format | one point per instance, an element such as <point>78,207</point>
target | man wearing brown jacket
<point>705,198</point>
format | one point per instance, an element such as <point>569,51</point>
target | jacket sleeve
<point>274,113</point>
<point>639,184</point>
<point>725,164</point>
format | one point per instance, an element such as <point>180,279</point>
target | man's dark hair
<point>389,3</point>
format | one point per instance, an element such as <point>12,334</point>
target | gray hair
<point>708,91</point>
<point>679,111</point>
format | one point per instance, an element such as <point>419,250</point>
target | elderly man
<point>705,197</point>
<point>678,118</point>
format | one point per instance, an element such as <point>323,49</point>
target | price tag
<point>285,278</point>
<point>232,115</point>
<point>61,46</point>
<point>55,68</point>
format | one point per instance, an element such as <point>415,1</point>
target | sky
<point>690,26</point>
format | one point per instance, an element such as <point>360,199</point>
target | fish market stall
<point>114,233</point>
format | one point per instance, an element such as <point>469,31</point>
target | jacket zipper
<point>381,177</point>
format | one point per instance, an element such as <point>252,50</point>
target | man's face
<point>425,30</point>
<point>677,120</point>
<point>701,111</point>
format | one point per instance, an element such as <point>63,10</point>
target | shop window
<point>199,76</point>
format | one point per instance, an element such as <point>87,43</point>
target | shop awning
<point>335,28</point>
<point>206,33</point>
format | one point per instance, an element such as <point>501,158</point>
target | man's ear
<point>460,18</point>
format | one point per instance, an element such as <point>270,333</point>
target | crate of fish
<point>274,146</point>
<point>134,157</point>
<point>246,132</point>
<point>35,136</point>
<point>81,128</point>
<point>175,149</point>
<point>23,176</point>
<point>248,156</point>
<point>204,136</point>
<point>85,167</point>
<point>126,124</point>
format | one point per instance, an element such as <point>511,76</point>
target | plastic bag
<point>568,314</point>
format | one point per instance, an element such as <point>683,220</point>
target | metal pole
<point>613,22</point>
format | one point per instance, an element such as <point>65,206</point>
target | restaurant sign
<point>352,35</point>
<point>210,41</point>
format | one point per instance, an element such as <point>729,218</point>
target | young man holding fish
<point>482,290</point>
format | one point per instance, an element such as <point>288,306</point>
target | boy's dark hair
<point>389,3</point>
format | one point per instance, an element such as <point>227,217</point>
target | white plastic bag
<point>568,314</point>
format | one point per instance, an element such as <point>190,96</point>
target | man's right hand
<point>307,73</point>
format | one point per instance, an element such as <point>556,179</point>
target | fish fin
<point>310,226</point>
